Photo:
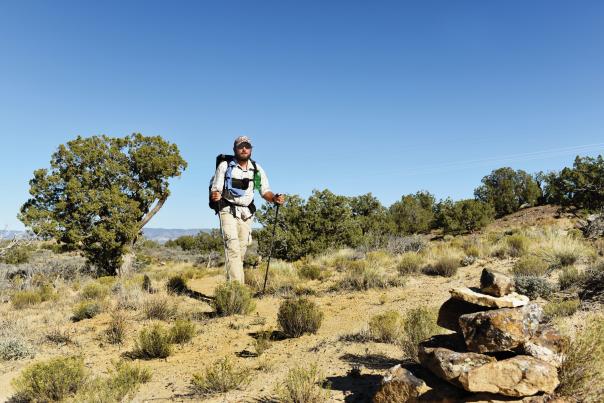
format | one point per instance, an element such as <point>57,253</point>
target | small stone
<point>500,329</point>
<point>496,283</point>
<point>512,300</point>
<point>518,376</point>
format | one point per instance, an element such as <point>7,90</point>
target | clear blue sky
<point>381,97</point>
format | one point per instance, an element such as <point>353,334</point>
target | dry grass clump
<point>262,341</point>
<point>395,392</point>
<point>160,307</point>
<point>337,259</point>
<point>445,266</point>
<point>582,372</point>
<point>303,385</point>
<point>233,298</point>
<point>27,298</point>
<point>129,297</point>
<point>86,310</point>
<point>298,316</point>
<point>182,331</point>
<point>517,245</point>
<point>116,331</point>
<point>530,265</point>
<point>153,342</point>
<point>418,325</point>
<point>282,279</point>
<point>52,380</point>
<point>363,275</point>
<point>556,309</point>
<point>221,376</point>
<point>386,327</point>
<point>123,381</point>
<point>570,277</point>
<point>559,249</point>
<point>312,271</point>
<point>409,263</point>
<point>93,291</point>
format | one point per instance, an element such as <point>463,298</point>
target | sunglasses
<point>244,145</point>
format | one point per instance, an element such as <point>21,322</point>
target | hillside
<point>344,350</point>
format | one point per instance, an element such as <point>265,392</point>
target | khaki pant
<point>237,235</point>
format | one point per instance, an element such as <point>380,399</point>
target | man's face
<point>243,151</point>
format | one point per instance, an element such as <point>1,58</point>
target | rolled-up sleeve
<point>265,186</point>
<point>218,182</point>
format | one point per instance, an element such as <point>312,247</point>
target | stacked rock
<point>499,346</point>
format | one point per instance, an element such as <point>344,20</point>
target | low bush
<point>386,327</point>
<point>116,331</point>
<point>86,310</point>
<point>418,325</point>
<point>15,348</point>
<point>312,271</point>
<point>182,332</point>
<point>581,374</point>
<point>177,285</point>
<point>592,285</point>
<point>123,381</point>
<point>533,287</point>
<point>233,298</point>
<point>570,277</point>
<point>93,291</point>
<point>303,385</point>
<point>221,376</point>
<point>530,265</point>
<point>445,266</point>
<point>52,380</point>
<point>555,309</point>
<point>25,299</point>
<point>159,307</point>
<point>517,245</point>
<point>262,341</point>
<point>298,316</point>
<point>153,342</point>
<point>409,263</point>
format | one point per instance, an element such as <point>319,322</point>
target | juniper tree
<point>100,192</point>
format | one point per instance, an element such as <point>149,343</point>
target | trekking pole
<point>270,253</point>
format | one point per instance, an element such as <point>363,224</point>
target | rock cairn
<point>499,351</point>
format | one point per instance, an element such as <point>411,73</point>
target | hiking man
<point>232,196</point>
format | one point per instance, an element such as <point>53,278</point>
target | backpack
<point>243,184</point>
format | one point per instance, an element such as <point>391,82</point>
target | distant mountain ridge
<point>160,235</point>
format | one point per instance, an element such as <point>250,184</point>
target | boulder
<point>399,384</point>
<point>518,376</point>
<point>547,345</point>
<point>452,309</point>
<point>495,283</point>
<point>500,329</point>
<point>450,365</point>
<point>508,301</point>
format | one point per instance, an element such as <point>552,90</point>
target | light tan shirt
<point>241,209</point>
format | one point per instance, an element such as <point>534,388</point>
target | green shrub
<point>418,325</point>
<point>445,266</point>
<point>153,342</point>
<point>182,331</point>
<point>517,244</point>
<point>123,381</point>
<point>17,255</point>
<point>409,263</point>
<point>582,371</point>
<point>52,380</point>
<point>233,298</point>
<point>93,290</point>
<point>463,216</point>
<point>221,376</point>
<point>554,309</point>
<point>386,327</point>
<point>507,189</point>
<point>86,310</point>
<point>592,286</point>
<point>116,331</point>
<point>25,298</point>
<point>533,287</point>
<point>530,265</point>
<point>177,285</point>
<point>570,277</point>
<point>312,272</point>
<point>303,385</point>
<point>14,348</point>
<point>159,307</point>
<point>298,316</point>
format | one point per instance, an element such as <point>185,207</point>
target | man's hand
<point>279,199</point>
<point>215,196</point>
